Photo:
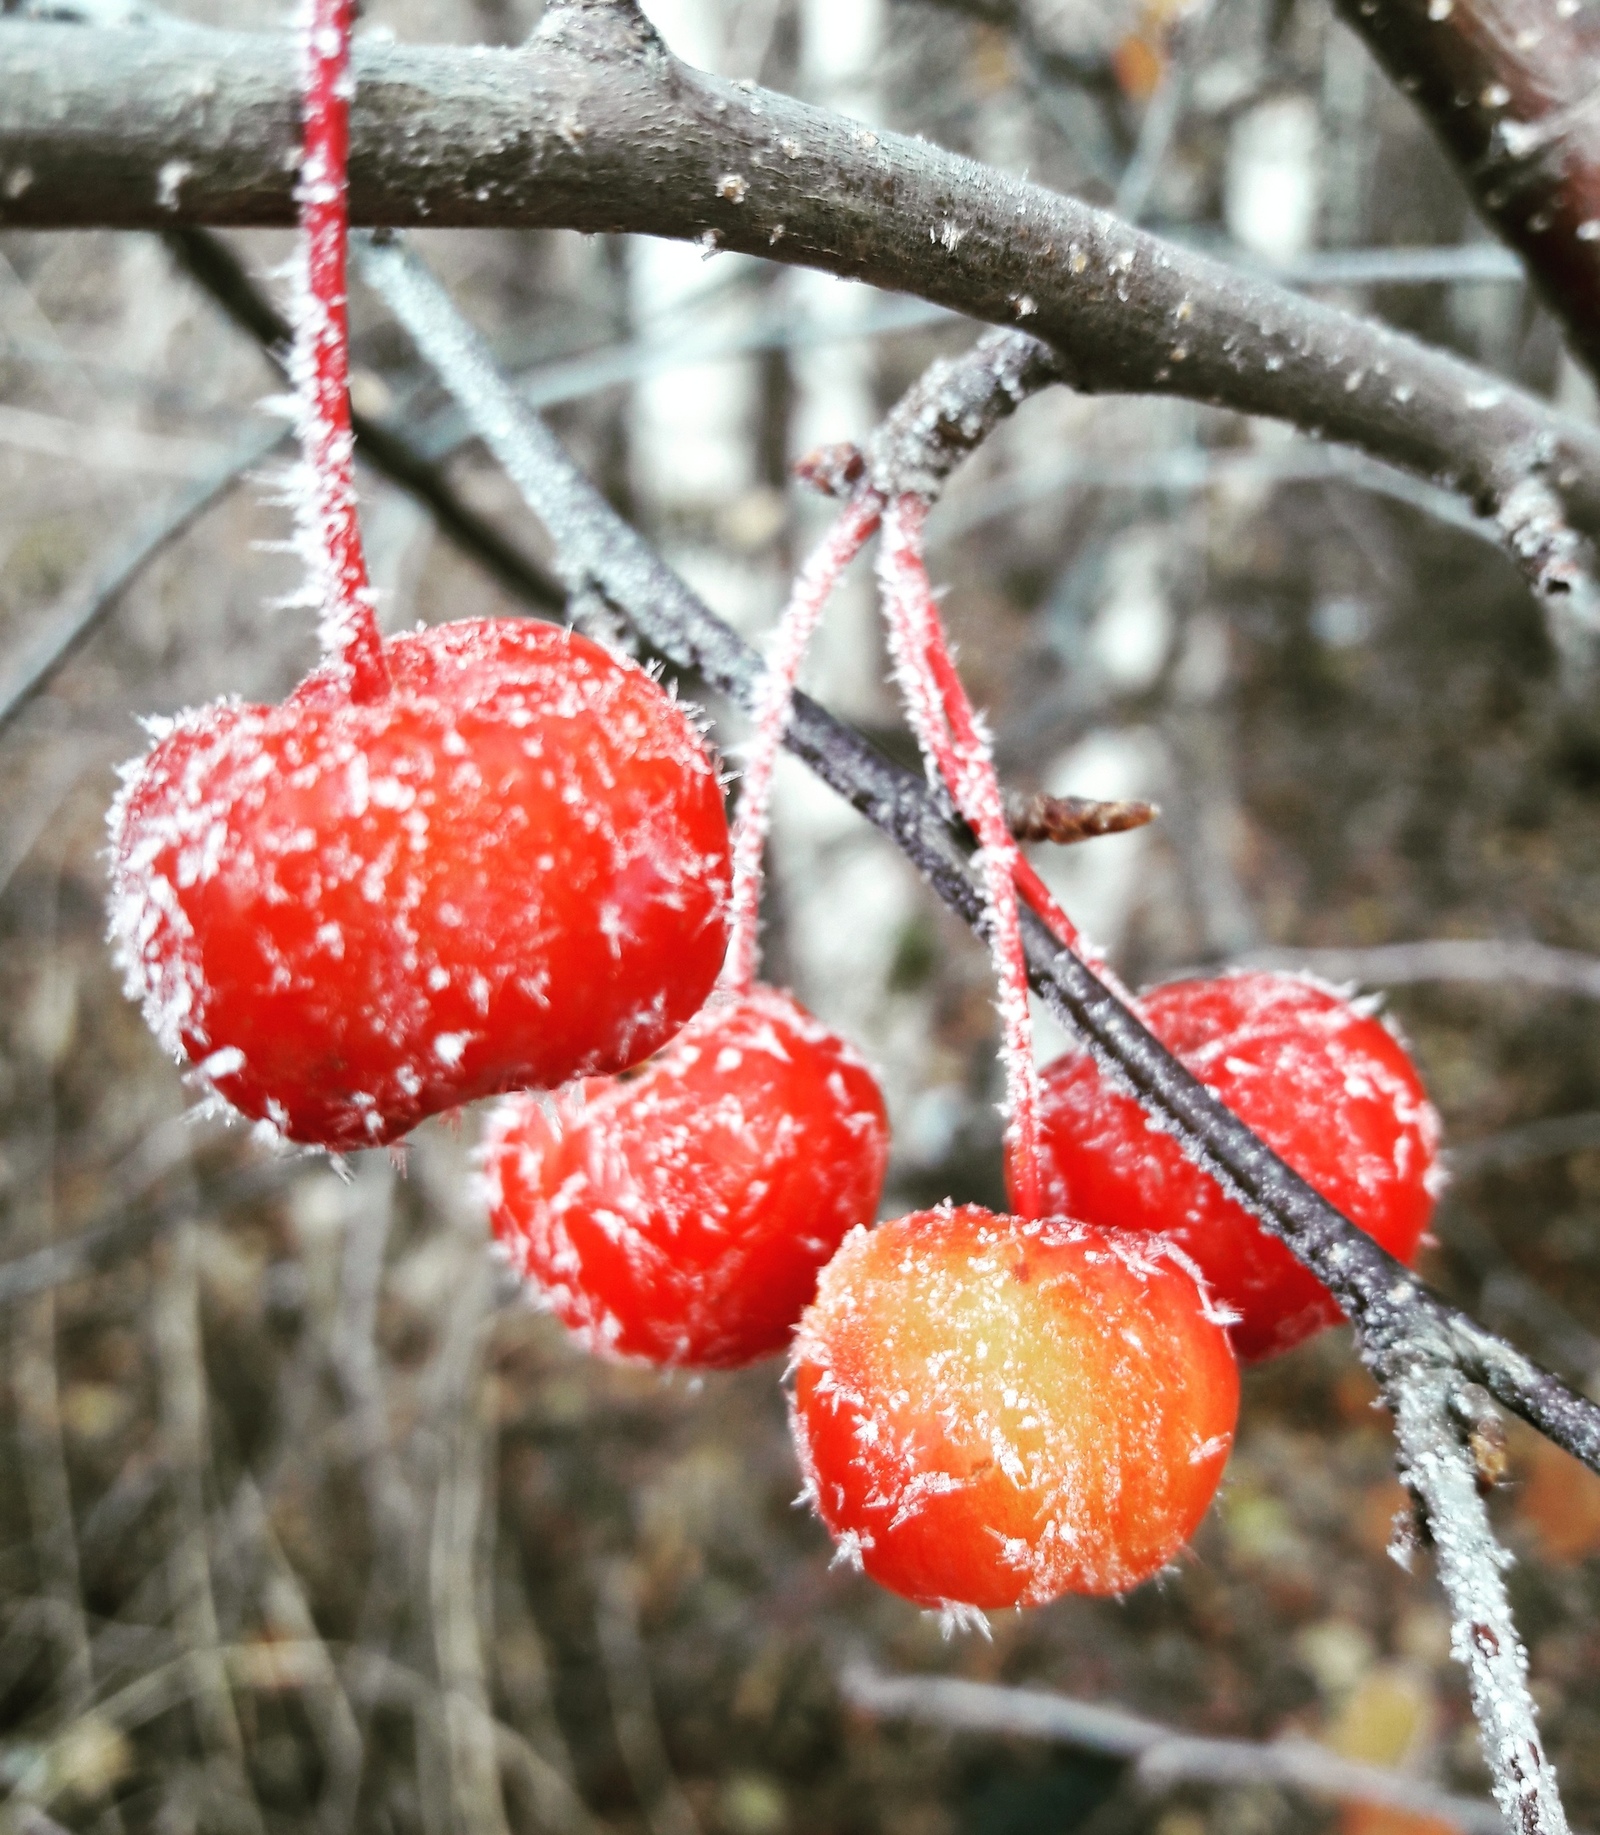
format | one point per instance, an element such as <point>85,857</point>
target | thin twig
<point>522,1666</point>
<point>457,1765</point>
<point>1507,1293</point>
<point>405,462</point>
<point>1165,1756</point>
<point>214,267</point>
<point>185,1436</point>
<point>274,1665</point>
<point>455,1562</point>
<point>633,1710</point>
<point>75,618</point>
<point>1492,961</point>
<point>36,1386</point>
<point>1552,1137</point>
<point>287,1615</point>
<point>128,1226</point>
<point>1438,1469</point>
<point>357,1369</point>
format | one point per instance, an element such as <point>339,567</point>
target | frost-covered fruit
<point>509,871</point>
<point>1325,1084</point>
<point>679,1213</point>
<point>991,1411</point>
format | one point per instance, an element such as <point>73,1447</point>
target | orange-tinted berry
<point>1325,1085</point>
<point>509,870</point>
<point>680,1213</point>
<point>992,1411</point>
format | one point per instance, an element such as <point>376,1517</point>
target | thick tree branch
<point>594,125</point>
<point>1509,86</point>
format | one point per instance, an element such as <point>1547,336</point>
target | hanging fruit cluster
<point>492,859</point>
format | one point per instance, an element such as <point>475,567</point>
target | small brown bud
<point>1474,1408</point>
<point>1068,819</point>
<point>833,470</point>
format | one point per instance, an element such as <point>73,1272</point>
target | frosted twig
<point>404,459</point>
<point>1164,1756</point>
<point>326,527</point>
<point>1438,1469</point>
<point>1392,1307</point>
<point>952,408</point>
<point>1401,1324</point>
<point>772,711</point>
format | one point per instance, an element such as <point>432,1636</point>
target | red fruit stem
<point>330,535</point>
<point>774,705</point>
<point>963,722</point>
<point>948,731</point>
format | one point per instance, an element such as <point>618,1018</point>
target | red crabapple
<point>509,869</point>
<point>992,1411</point>
<point>1325,1085</point>
<point>680,1212</point>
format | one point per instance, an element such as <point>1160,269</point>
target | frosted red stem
<point>775,702</point>
<point>947,729</point>
<point>330,534</point>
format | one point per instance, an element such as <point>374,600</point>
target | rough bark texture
<point>1508,86</point>
<point>595,126</point>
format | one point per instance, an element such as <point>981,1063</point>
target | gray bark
<point>595,126</point>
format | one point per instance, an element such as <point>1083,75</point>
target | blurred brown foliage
<point>309,1521</point>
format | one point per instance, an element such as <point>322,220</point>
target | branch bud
<point>1067,819</point>
<point>834,470</point>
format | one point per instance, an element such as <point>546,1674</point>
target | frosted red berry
<point>680,1213</point>
<point>992,1412</point>
<point>1326,1085</point>
<point>509,870</point>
